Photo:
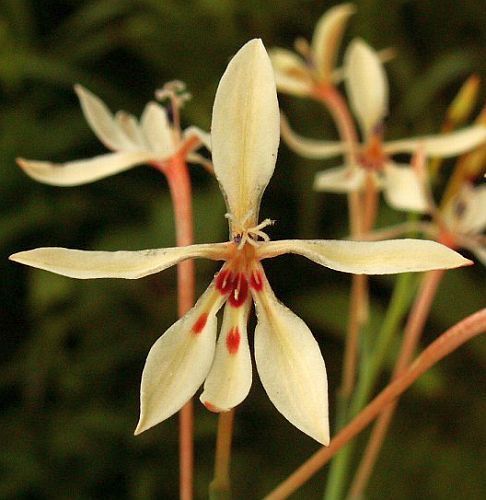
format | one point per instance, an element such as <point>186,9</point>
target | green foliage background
<point>72,352</point>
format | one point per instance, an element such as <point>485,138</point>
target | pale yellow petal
<point>327,38</point>
<point>402,188</point>
<point>101,121</point>
<point>290,366</point>
<point>229,379</point>
<point>340,180</point>
<point>245,130</point>
<point>370,257</point>
<point>291,73</point>
<point>131,128</point>
<point>75,173</point>
<point>203,137</point>
<point>366,85</point>
<point>178,362</point>
<point>309,148</point>
<point>84,264</point>
<point>443,145</point>
<point>157,131</point>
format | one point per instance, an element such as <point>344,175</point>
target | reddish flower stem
<point>358,206</point>
<point>411,336</point>
<point>220,486</point>
<point>449,341</point>
<point>179,182</point>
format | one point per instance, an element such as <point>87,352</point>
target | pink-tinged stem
<point>179,182</point>
<point>411,336</point>
<point>220,486</point>
<point>449,341</point>
<point>362,210</point>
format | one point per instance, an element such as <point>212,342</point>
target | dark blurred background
<point>72,351</point>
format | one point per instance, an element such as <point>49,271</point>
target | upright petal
<point>291,73</point>
<point>290,366</point>
<point>327,38</point>
<point>366,84</point>
<point>443,145</point>
<point>402,188</point>
<point>101,120</point>
<point>340,179</point>
<point>245,130</point>
<point>309,148</point>
<point>370,257</point>
<point>229,379</point>
<point>179,361</point>
<point>83,264</point>
<point>157,131</point>
<point>75,173</point>
<point>131,128</point>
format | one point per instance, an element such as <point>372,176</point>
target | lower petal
<point>229,379</point>
<point>179,361</point>
<point>402,188</point>
<point>340,180</point>
<point>290,366</point>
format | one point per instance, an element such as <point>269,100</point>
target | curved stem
<point>179,182</point>
<point>449,341</point>
<point>413,331</point>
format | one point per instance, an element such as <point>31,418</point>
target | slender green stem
<point>371,368</point>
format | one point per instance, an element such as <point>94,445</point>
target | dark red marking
<point>256,281</point>
<point>211,407</point>
<point>224,281</point>
<point>233,340</point>
<point>239,292</point>
<point>200,323</point>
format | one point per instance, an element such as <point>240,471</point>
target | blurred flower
<point>303,75</point>
<point>463,220</point>
<point>245,137</point>
<point>367,89</point>
<point>152,140</point>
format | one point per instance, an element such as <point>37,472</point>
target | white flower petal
<point>370,257</point>
<point>245,130</point>
<point>402,188</point>
<point>83,264</point>
<point>290,366</point>
<point>443,145</point>
<point>340,179</point>
<point>101,120</point>
<point>157,131</point>
<point>465,213</point>
<point>131,128</point>
<point>309,148</point>
<point>178,362</point>
<point>366,85</point>
<point>327,38</point>
<point>75,173</point>
<point>229,379</point>
<point>291,73</point>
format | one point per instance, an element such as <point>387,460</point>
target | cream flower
<point>464,221</point>
<point>367,89</point>
<point>245,137</point>
<point>151,140</point>
<point>303,76</point>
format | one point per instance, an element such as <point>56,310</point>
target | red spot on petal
<point>200,323</point>
<point>239,291</point>
<point>211,407</point>
<point>256,281</point>
<point>233,340</point>
<point>224,281</point>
